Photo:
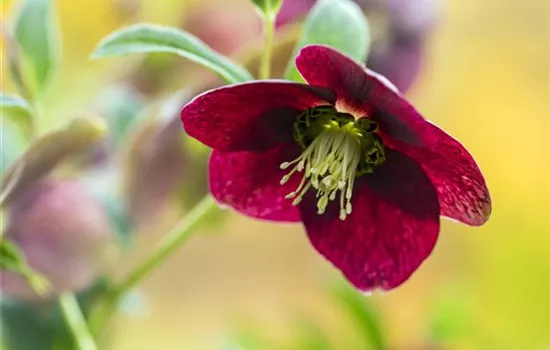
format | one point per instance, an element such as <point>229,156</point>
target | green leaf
<point>11,255</point>
<point>363,315</point>
<point>337,23</point>
<point>13,145</point>
<point>153,38</point>
<point>27,327</point>
<point>18,110</point>
<point>31,326</point>
<point>309,336</point>
<point>37,35</point>
<point>12,259</point>
<point>46,152</point>
<point>268,7</point>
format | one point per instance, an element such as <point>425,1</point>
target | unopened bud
<point>225,26</point>
<point>154,169</point>
<point>64,234</point>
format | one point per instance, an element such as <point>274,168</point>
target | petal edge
<point>249,182</point>
<point>252,116</point>
<point>392,229</point>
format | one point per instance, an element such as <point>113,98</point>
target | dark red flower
<point>348,156</point>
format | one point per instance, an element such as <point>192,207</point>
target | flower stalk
<point>269,33</point>
<point>76,322</point>
<point>15,67</point>
<point>171,242</point>
<point>178,235</point>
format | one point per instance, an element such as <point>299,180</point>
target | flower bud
<point>400,28</point>
<point>155,170</point>
<point>155,163</point>
<point>64,234</point>
<point>223,25</point>
<point>414,17</point>
<point>398,51</point>
<point>399,61</point>
<point>293,10</point>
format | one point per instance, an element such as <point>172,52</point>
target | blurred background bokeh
<point>483,75</point>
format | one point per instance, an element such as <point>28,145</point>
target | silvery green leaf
<point>37,35</point>
<point>17,110</point>
<point>337,23</point>
<point>154,38</point>
<point>268,7</point>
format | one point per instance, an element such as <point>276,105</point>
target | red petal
<point>249,182</point>
<point>463,193</point>
<point>251,116</point>
<point>356,88</point>
<point>392,229</point>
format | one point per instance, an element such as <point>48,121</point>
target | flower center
<point>337,149</point>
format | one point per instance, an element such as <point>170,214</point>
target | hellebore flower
<point>348,156</point>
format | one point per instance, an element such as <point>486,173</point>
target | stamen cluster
<point>337,148</point>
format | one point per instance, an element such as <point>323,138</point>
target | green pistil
<point>337,149</point>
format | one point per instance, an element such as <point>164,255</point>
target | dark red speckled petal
<point>355,87</point>
<point>252,116</point>
<point>463,193</point>
<point>249,182</point>
<point>392,229</point>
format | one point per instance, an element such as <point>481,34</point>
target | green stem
<point>76,322</point>
<point>269,33</point>
<point>37,112</point>
<point>170,243</point>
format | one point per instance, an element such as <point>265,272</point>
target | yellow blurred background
<point>486,81</point>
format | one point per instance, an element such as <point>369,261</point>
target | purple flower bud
<point>412,16</point>
<point>63,232</point>
<point>399,61</point>
<point>399,55</point>
<point>293,10</point>
<point>223,25</point>
<point>155,164</point>
<point>157,167</point>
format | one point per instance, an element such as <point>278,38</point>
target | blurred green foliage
<point>36,33</point>
<point>269,7</point>
<point>153,38</point>
<point>41,326</point>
